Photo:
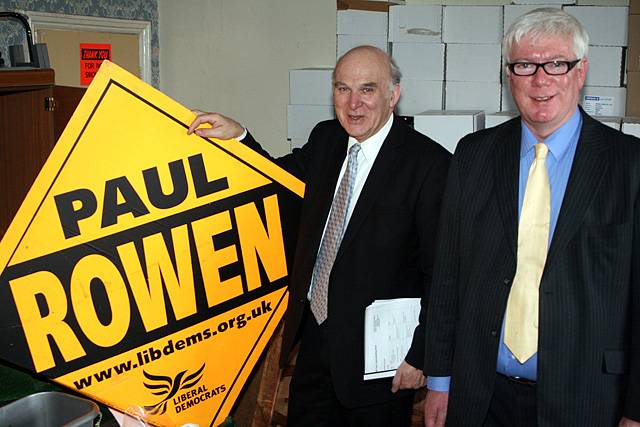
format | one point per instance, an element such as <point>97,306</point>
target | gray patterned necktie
<point>333,237</point>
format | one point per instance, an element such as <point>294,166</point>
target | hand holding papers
<point>388,331</point>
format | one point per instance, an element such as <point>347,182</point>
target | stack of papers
<point>388,332</point>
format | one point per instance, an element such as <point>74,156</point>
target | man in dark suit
<point>548,334</point>
<point>367,225</point>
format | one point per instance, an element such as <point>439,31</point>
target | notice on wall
<point>91,57</point>
<point>146,268</point>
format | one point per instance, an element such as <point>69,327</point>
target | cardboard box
<point>633,51</point>
<point>448,127</point>
<point>472,24</point>
<point>607,26</point>
<point>296,142</point>
<point>473,62</point>
<point>634,6</point>
<point>633,93</point>
<point>603,101</point>
<point>605,66</point>
<point>507,103</point>
<point>301,119</point>
<point>511,12</point>
<point>544,2</point>
<point>311,86</point>
<point>495,119</point>
<point>602,2</point>
<point>415,24</point>
<point>371,5</point>
<point>418,95</point>
<point>346,42</point>
<point>419,60</point>
<point>472,96</point>
<point>613,122</point>
<point>361,22</point>
<point>631,126</point>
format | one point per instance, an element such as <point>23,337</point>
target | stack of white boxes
<point>451,60</point>
<point>415,33</point>
<point>310,102</point>
<point>602,94</point>
<point>473,35</point>
<point>358,27</point>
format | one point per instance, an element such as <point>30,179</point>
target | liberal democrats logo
<point>169,387</point>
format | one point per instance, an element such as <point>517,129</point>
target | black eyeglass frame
<point>570,66</point>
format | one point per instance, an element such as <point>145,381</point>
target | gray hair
<point>543,22</point>
<point>395,75</point>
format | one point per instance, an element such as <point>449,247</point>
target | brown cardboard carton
<point>633,93</point>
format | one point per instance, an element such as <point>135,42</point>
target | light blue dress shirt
<point>562,146</point>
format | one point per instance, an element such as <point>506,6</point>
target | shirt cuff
<point>243,136</point>
<point>438,383</point>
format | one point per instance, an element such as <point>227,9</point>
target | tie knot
<point>541,150</point>
<point>354,150</point>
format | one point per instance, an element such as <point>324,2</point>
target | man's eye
<point>341,89</point>
<point>367,90</point>
<point>523,65</point>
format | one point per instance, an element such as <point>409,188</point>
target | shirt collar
<point>371,146</point>
<point>558,141</point>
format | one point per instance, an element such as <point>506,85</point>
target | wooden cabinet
<point>26,134</point>
<point>33,113</point>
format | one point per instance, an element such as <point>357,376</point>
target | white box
<point>604,101</point>
<point>346,42</point>
<point>507,103</point>
<point>631,126</point>
<point>472,24</point>
<point>607,26</point>
<point>473,62</point>
<point>472,96</point>
<point>418,95</point>
<point>419,60</point>
<point>296,142</point>
<point>311,86</point>
<point>602,2</point>
<point>448,127</point>
<point>301,119</point>
<point>415,24</point>
<point>361,22</point>
<point>544,2</point>
<point>511,12</point>
<point>613,122</point>
<point>605,66</point>
<point>497,118</point>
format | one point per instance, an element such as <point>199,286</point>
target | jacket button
<point>494,333</point>
<point>506,281</point>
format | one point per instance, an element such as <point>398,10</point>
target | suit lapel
<point>377,179</point>
<point>507,167</point>
<point>589,165</point>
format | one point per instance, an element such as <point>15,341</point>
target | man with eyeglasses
<point>534,311</point>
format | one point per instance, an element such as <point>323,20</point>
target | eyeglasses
<point>552,68</point>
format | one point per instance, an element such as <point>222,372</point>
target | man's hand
<point>407,377</point>
<point>626,422</point>
<point>435,408</point>
<point>221,127</point>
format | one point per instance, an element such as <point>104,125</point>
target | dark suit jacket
<point>387,249</point>
<point>588,349</point>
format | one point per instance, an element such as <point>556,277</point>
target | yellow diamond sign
<point>146,267</point>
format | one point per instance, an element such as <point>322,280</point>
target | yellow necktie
<point>521,323</point>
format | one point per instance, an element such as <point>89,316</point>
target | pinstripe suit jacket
<point>588,349</point>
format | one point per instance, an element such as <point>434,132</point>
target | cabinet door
<point>26,139</point>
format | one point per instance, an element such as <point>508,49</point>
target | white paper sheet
<point>388,331</point>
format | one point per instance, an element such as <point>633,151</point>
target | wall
<point>234,56</point>
<point>141,10</point>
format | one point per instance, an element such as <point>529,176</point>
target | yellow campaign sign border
<point>108,77</point>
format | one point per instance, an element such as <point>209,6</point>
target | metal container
<point>49,409</point>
